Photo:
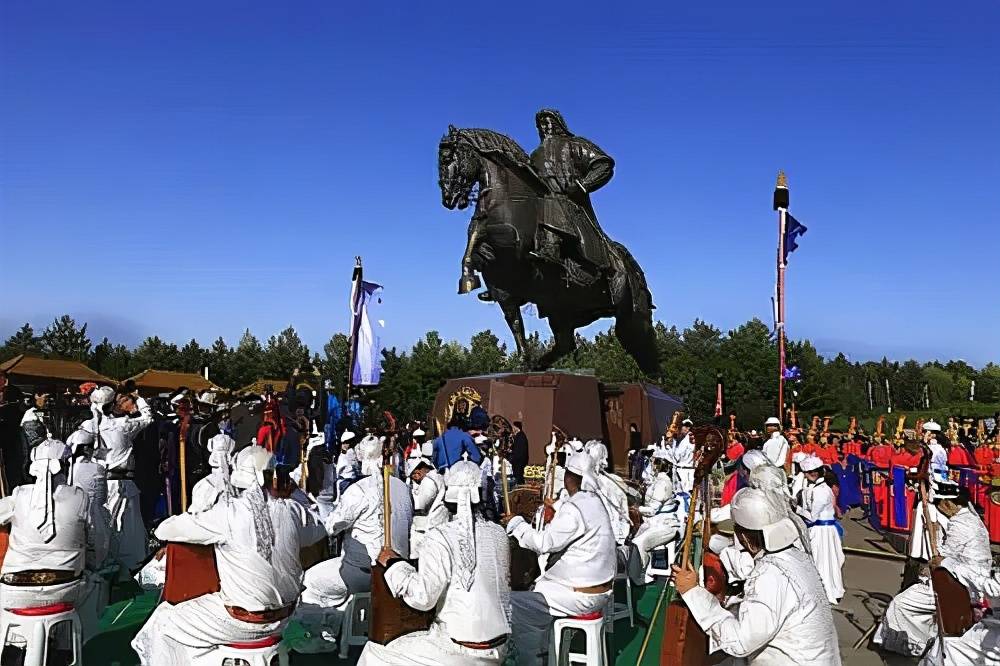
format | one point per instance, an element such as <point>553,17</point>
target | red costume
<point>880,455</point>
<point>958,456</point>
<point>852,448</point>
<point>734,451</point>
<point>828,454</point>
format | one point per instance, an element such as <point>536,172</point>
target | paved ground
<point>870,585</point>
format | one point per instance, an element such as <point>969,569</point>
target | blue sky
<point>191,169</point>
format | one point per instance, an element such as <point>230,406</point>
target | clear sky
<point>189,169</point>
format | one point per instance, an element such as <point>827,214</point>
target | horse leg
<point>635,331</point>
<point>470,281</point>
<point>564,335</point>
<point>511,309</point>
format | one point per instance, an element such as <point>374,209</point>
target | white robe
<point>783,620</point>
<point>580,534</point>
<point>680,453</point>
<point>428,499</point>
<point>825,542</point>
<point>979,646</point>
<point>776,450</point>
<point>177,635</point>
<point>909,621</point>
<point>477,615</point>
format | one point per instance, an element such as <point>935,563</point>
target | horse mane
<point>495,143</point>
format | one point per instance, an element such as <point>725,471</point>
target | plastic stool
<point>34,628</point>
<point>355,631</point>
<point>593,625</point>
<point>252,653</point>
<point>669,554</point>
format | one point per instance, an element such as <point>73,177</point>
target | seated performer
<point>89,474</point>
<point>582,562</point>
<point>680,454</point>
<point>612,494</point>
<point>120,419</point>
<point>963,549</point>
<point>784,617</point>
<point>980,645</point>
<point>815,505</point>
<point>428,500</point>
<point>50,539</point>
<point>257,538</point>
<point>347,462</point>
<point>664,515</point>
<point>321,475</point>
<point>464,570</point>
<point>358,515</point>
<point>207,492</point>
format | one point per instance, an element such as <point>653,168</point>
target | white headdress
<point>462,482</point>
<point>369,451</point>
<point>773,481</point>
<point>583,465</point>
<point>755,509</point>
<point>46,462</point>
<point>599,452</point>
<point>251,463</point>
<point>220,452</point>
<point>753,458</point>
<point>810,464</point>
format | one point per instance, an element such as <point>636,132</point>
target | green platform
<point>122,620</point>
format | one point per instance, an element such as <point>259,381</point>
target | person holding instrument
<point>784,618</point>
<point>963,550</point>
<point>463,573</point>
<point>582,561</point>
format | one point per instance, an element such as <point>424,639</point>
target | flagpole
<point>781,205</point>
<point>353,341</point>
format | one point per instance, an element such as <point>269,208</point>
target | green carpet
<point>122,620</point>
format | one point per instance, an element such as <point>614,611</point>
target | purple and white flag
<point>366,333</point>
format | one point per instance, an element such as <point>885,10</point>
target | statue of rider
<point>573,167</point>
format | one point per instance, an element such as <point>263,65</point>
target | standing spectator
<point>449,447</point>
<point>519,453</point>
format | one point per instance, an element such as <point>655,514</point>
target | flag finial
<point>782,180</point>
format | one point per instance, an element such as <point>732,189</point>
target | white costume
<point>614,498</point>
<point>257,539</point>
<point>116,434</point>
<point>776,447</point>
<point>90,474</point>
<point>663,521</point>
<point>909,621</point>
<point>784,619</point>
<point>358,514</point>
<point>817,510</point>
<point>980,645</point>
<point>680,453</point>
<point>209,490</point>
<point>579,581</point>
<point>326,498</point>
<point>50,532</point>
<point>428,502</point>
<point>464,575</point>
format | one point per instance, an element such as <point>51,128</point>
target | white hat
<point>583,465</point>
<point>480,439</point>
<point>768,477</point>
<point>799,456</point>
<point>80,438</point>
<point>754,509</point>
<point>945,490</point>
<point>753,458</point>
<point>418,433</point>
<point>576,444</point>
<point>810,464</point>
<point>687,422</point>
<point>251,463</point>
<point>427,448</point>
<point>462,475</point>
<point>413,462</point>
<point>772,420</point>
<point>369,452</point>
<point>103,395</point>
<point>347,436</point>
<point>932,426</point>
<point>462,483</point>
<point>599,452</point>
<point>220,447</point>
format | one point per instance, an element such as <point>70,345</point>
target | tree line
<point>692,360</point>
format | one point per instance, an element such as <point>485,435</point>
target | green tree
<point>157,354</point>
<point>219,359</point>
<point>336,358</point>
<point>247,361</point>
<point>284,353</point>
<point>192,357</point>
<point>112,360</point>
<point>486,354</point>
<point>24,341</point>
<point>63,339</point>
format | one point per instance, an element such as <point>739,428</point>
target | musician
<point>429,510</point>
<point>357,515</point>
<point>582,561</point>
<point>347,462</point>
<point>664,515</point>
<point>518,453</point>
<point>610,490</point>
<point>321,476</point>
<point>816,506</point>
<point>784,617</point>
<point>207,491</point>
<point>50,555</point>
<point>257,538</point>
<point>680,454</point>
<point>776,446</point>
<point>464,570</point>
<point>980,644</point>
<point>829,452</point>
<point>939,456</point>
<point>89,474</point>
<point>36,424</point>
<point>449,447</point>
<point>963,549</point>
<point>119,418</point>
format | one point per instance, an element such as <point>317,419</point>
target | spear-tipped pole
<point>781,205</point>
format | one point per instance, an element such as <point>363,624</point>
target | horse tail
<point>630,275</point>
<point>635,331</point>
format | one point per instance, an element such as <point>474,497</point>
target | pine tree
<point>23,341</point>
<point>284,353</point>
<point>247,361</point>
<point>62,339</point>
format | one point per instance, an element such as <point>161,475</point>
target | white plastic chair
<point>594,626</point>
<point>32,629</point>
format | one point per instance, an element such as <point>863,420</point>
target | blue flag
<point>366,330</point>
<point>793,229</point>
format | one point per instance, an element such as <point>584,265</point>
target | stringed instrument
<point>183,410</point>
<point>524,569</point>
<point>684,641</point>
<point>559,440</point>
<point>390,616</point>
<point>191,572</point>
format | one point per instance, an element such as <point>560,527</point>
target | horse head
<point>458,170</point>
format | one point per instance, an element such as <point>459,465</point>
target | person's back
<point>29,550</point>
<point>591,558</point>
<point>363,502</point>
<point>449,447</point>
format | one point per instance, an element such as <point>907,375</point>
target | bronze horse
<point>492,170</point>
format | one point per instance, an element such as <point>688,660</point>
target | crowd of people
<point>433,514</point>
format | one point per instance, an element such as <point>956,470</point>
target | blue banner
<point>850,483</point>
<point>366,330</point>
<point>868,472</point>
<point>900,511</point>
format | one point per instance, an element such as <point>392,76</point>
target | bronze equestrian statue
<point>534,236</point>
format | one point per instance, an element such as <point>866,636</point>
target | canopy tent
<point>152,382</point>
<point>278,385</point>
<point>24,370</point>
